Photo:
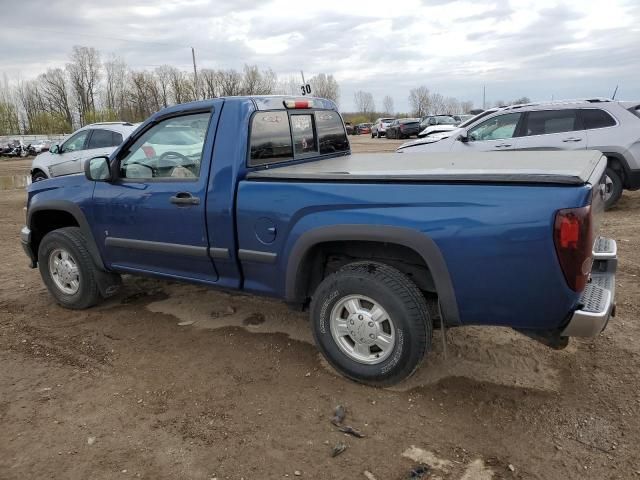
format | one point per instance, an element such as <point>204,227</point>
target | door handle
<point>184,198</point>
<point>572,139</point>
<point>503,145</point>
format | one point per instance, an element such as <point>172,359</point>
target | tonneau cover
<point>561,167</point>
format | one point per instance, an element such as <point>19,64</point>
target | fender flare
<point>76,212</point>
<point>419,242</point>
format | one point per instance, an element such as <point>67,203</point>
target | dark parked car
<point>403,128</point>
<point>349,127</point>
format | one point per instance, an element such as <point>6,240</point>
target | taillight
<point>573,238</point>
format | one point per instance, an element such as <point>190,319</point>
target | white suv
<point>88,142</point>
<point>610,126</point>
<point>379,128</point>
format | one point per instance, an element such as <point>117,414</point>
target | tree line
<point>89,89</point>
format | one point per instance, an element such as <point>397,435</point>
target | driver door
<point>497,133</point>
<point>151,217</point>
<point>67,160</point>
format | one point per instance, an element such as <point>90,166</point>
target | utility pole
<point>195,73</point>
<point>484,97</point>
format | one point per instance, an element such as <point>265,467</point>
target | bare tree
<point>9,121</point>
<point>289,86</point>
<point>419,100</point>
<point>520,100</point>
<point>84,75</point>
<point>466,106</point>
<point>325,86</point>
<point>55,91</point>
<point>437,104</point>
<point>209,83</point>
<point>255,82</point>
<point>387,104</point>
<point>230,83</point>
<point>500,103</point>
<point>364,103</point>
<point>115,85</point>
<point>162,75</point>
<point>451,105</point>
<point>181,86</point>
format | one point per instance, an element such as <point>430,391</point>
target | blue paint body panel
<point>496,239</point>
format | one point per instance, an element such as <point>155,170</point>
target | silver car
<point>379,128</point>
<point>613,127</point>
<point>88,142</point>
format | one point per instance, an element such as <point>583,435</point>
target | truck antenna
<point>614,93</point>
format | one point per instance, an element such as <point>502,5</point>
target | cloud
<point>534,48</point>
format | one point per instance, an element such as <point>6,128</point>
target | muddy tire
<point>371,323</point>
<point>615,186</point>
<point>67,269</point>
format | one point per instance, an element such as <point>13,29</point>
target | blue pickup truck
<point>263,195</point>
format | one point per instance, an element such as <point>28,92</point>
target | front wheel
<point>38,176</point>
<point>371,323</point>
<point>67,269</point>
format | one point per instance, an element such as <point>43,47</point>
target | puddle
<point>484,354</point>
<point>14,182</point>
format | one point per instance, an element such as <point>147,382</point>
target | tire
<point>407,323</point>
<point>616,188</point>
<point>71,241</point>
<point>372,135</point>
<point>378,134</point>
<point>38,176</point>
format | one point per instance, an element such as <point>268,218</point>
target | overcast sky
<point>535,48</point>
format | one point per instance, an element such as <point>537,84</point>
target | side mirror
<point>98,169</point>
<point>464,137</point>
<point>54,148</point>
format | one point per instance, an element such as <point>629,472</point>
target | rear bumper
<point>597,302</point>
<point>25,240</point>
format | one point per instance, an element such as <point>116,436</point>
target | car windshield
<point>387,120</point>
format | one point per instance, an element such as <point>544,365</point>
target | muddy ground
<point>124,390</point>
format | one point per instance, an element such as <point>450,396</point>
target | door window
<point>596,118</point>
<point>76,142</point>
<point>104,138</point>
<point>170,149</point>
<point>496,128</point>
<point>551,121</point>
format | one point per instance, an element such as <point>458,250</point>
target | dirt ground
<point>127,389</point>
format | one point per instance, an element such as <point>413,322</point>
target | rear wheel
<point>67,269</point>
<point>613,182</point>
<point>371,323</point>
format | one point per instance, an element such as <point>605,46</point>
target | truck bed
<point>554,167</point>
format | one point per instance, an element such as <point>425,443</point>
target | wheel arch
<point>45,217</point>
<point>619,164</point>
<point>300,264</point>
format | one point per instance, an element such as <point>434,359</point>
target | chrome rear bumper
<point>597,302</point>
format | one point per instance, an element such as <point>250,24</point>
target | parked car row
<point>612,127</point>
<point>17,148</point>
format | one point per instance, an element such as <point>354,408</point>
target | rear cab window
<point>286,135</point>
